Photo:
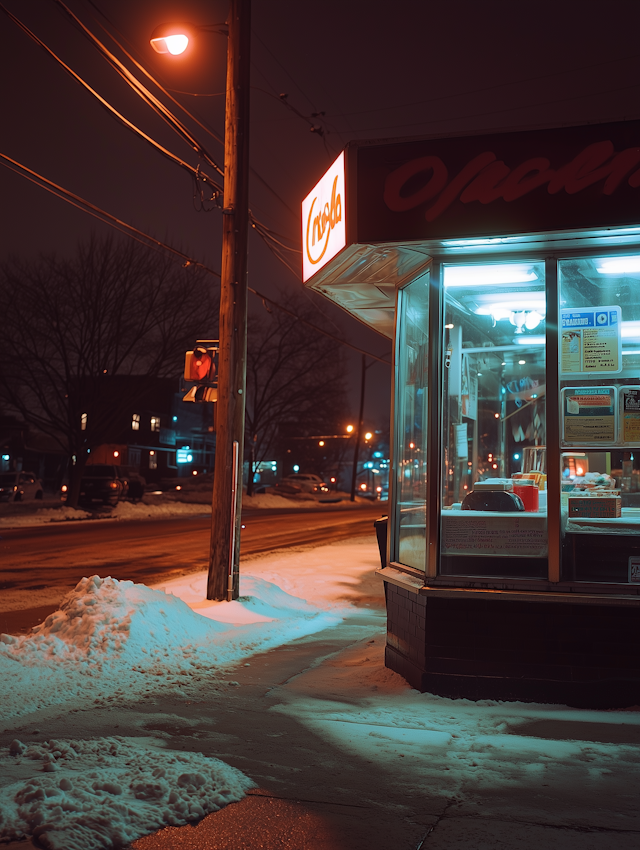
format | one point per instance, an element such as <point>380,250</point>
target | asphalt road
<point>39,565</point>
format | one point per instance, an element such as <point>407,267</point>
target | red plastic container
<point>528,492</point>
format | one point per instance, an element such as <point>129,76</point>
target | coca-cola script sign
<point>537,181</point>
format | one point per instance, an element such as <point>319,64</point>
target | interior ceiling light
<point>619,265</point>
<point>502,274</point>
<point>630,330</point>
<point>531,340</point>
<point>526,311</point>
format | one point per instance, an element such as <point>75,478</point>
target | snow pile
<point>140,510</point>
<point>45,515</point>
<point>273,500</point>
<point>113,639</point>
<point>106,792</point>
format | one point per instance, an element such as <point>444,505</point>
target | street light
<point>224,556</point>
<point>171,38</point>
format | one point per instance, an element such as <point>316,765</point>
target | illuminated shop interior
<point>512,565</point>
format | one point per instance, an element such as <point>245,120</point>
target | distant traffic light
<point>201,367</point>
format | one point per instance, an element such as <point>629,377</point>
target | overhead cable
<point>141,90</point>
<point>129,124</point>
<point>167,92</point>
<point>97,212</point>
<point>156,244</point>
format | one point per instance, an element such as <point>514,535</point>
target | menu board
<point>629,414</point>
<point>589,415</point>
<point>591,341</point>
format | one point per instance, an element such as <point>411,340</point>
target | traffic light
<point>201,367</point>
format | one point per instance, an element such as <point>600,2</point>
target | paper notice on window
<point>630,414</point>
<point>591,340</point>
<point>589,415</point>
<point>480,533</point>
<point>469,393</point>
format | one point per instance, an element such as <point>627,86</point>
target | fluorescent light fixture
<point>531,340</point>
<point>531,305</point>
<point>631,351</point>
<point>460,243</point>
<point>619,265</point>
<point>630,330</point>
<point>502,274</point>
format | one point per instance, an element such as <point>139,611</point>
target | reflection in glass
<point>411,424</point>
<point>600,417</point>
<point>494,388</point>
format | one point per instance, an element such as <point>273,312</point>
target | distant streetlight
<point>321,443</point>
<point>368,435</point>
<point>349,429</point>
<point>224,557</point>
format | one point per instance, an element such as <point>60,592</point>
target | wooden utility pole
<point>224,558</point>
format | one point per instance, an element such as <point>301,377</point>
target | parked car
<point>304,482</point>
<point>137,483</point>
<point>104,483</point>
<point>19,487</point>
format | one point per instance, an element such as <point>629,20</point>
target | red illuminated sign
<point>542,180</point>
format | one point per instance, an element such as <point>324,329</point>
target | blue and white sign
<point>591,340</point>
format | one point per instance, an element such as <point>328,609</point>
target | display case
<point>511,267</point>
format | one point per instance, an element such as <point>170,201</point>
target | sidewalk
<point>317,790</point>
<point>345,756</point>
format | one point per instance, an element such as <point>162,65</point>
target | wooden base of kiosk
<point>514,645</point>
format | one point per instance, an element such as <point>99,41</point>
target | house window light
<point>155,423</point>
<point>83,421</point>
<point>135,422</point>
<point>502,274</point>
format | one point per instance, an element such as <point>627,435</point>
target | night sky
<point>377,70</point>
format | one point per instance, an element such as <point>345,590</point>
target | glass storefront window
<point>411,424</point>
<point>599,316</point>
<point>493,520</point>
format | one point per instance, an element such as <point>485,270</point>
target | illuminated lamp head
<point>172,38</point>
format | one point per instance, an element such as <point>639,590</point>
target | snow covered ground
<point>94,666</point>
<point>155,507</point>
<point>113,642</point>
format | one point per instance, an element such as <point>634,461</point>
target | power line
<point>140,89</point>
<point>203,125</point>
<point>86,206</point>
<point>196,173</point>
<point>103,102</point>
<point>156,244</point>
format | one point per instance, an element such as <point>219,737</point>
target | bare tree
<point>296,382</point>
<point>71,326</point>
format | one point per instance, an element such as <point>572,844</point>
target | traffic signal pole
<point>224,556</point>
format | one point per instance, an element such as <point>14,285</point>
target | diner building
<point>505,269</point>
